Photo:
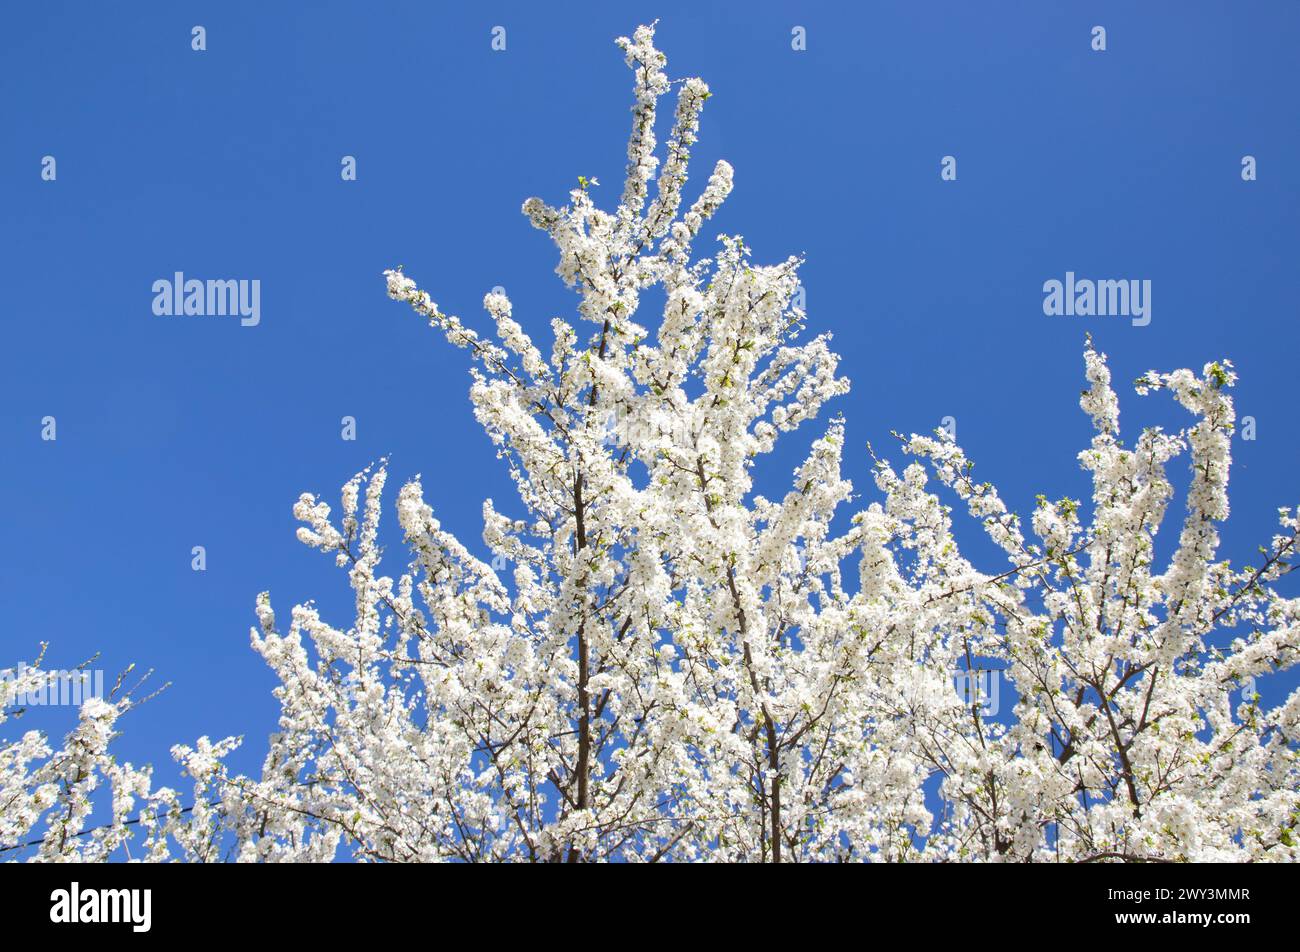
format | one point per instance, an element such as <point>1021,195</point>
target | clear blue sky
<point>174,433</point>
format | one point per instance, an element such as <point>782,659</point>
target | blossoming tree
<point>677,668</point>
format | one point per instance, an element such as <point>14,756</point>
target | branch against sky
<point>673,667</point>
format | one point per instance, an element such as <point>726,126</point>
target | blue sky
<point>225,163</point>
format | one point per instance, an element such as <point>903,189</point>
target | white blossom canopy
<point>658,663</point>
